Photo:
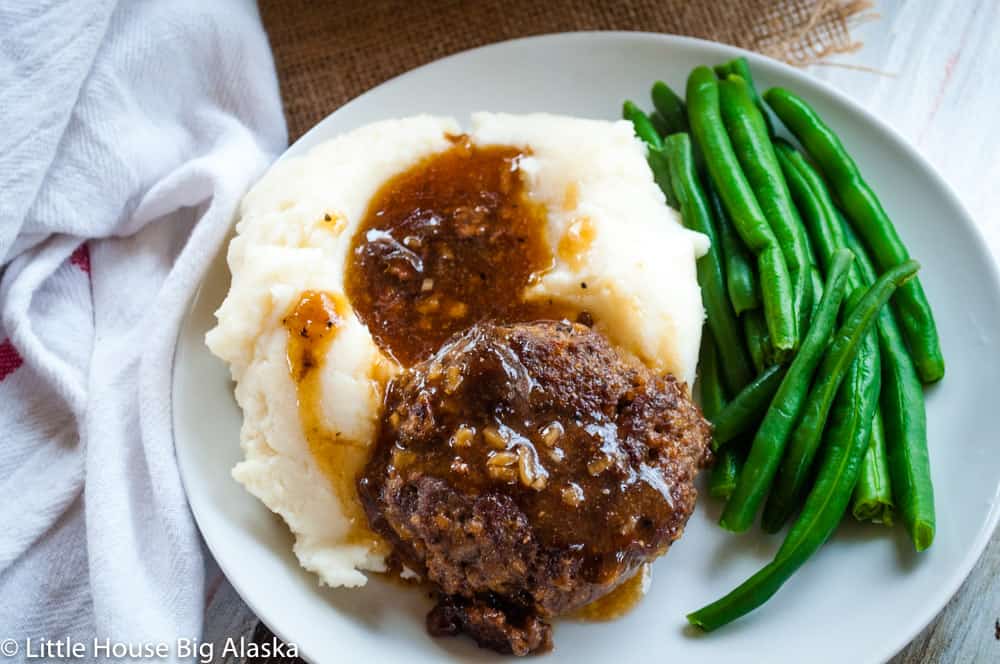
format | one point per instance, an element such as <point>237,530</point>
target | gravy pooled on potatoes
<point>449,242</point>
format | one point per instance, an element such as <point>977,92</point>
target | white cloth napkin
<point>128,133</point>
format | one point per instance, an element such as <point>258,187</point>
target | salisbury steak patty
<point>527,470</point>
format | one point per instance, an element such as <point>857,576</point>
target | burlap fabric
<point>329,52</point>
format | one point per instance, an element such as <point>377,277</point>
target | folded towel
<point>130,131</point>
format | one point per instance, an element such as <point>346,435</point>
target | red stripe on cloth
<point>81,258</point>
<point>10,359</point>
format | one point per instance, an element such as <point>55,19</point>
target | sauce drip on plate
<point>618,602</point>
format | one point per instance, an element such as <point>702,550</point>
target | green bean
<point>845,446</point>
<point>753,149</point>
<point>858,351</point>
<point>851,422</point>
<point>713,395</point>
<point>871,221</point>
<point>657,161</point>
<point>710,134</point>
<point>747,407</point>
<point>740,279</point>
<point>725,473</point>
<point>822,512</point>
<point>741,68</point>
<point>769,442</point>
<point>845,442</point>
<point>864,262</point>
<point>758,339</point>
<point>872,499</point>
<point>661,126</point>
<point>658,164</point>
<point>695,215</point>
<point>817,210</point>
<point>813,201</point>
<point>871,496</point>
<point>713,400</point>
<point>817,288</point>
<point>805,442</point>
<point>905,423</point>
<point>670,108</point>
<point>723,70</point>
<point>643,127</point>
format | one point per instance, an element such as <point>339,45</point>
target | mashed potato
<point>619,253</point>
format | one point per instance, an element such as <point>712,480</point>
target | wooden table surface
<point>932,67</point>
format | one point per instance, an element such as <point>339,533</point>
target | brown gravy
<point>576,241</point>
<point>449,242</point>
<point>452,241</point>
<point>312,324</point>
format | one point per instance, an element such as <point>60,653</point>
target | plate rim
<point>960,572</point>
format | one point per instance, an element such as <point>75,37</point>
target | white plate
<point>860,599</point>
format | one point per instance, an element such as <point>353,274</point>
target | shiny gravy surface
<point>449,242</point>
<point>312,325</point>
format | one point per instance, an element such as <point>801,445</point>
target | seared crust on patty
<point>529,469</point>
